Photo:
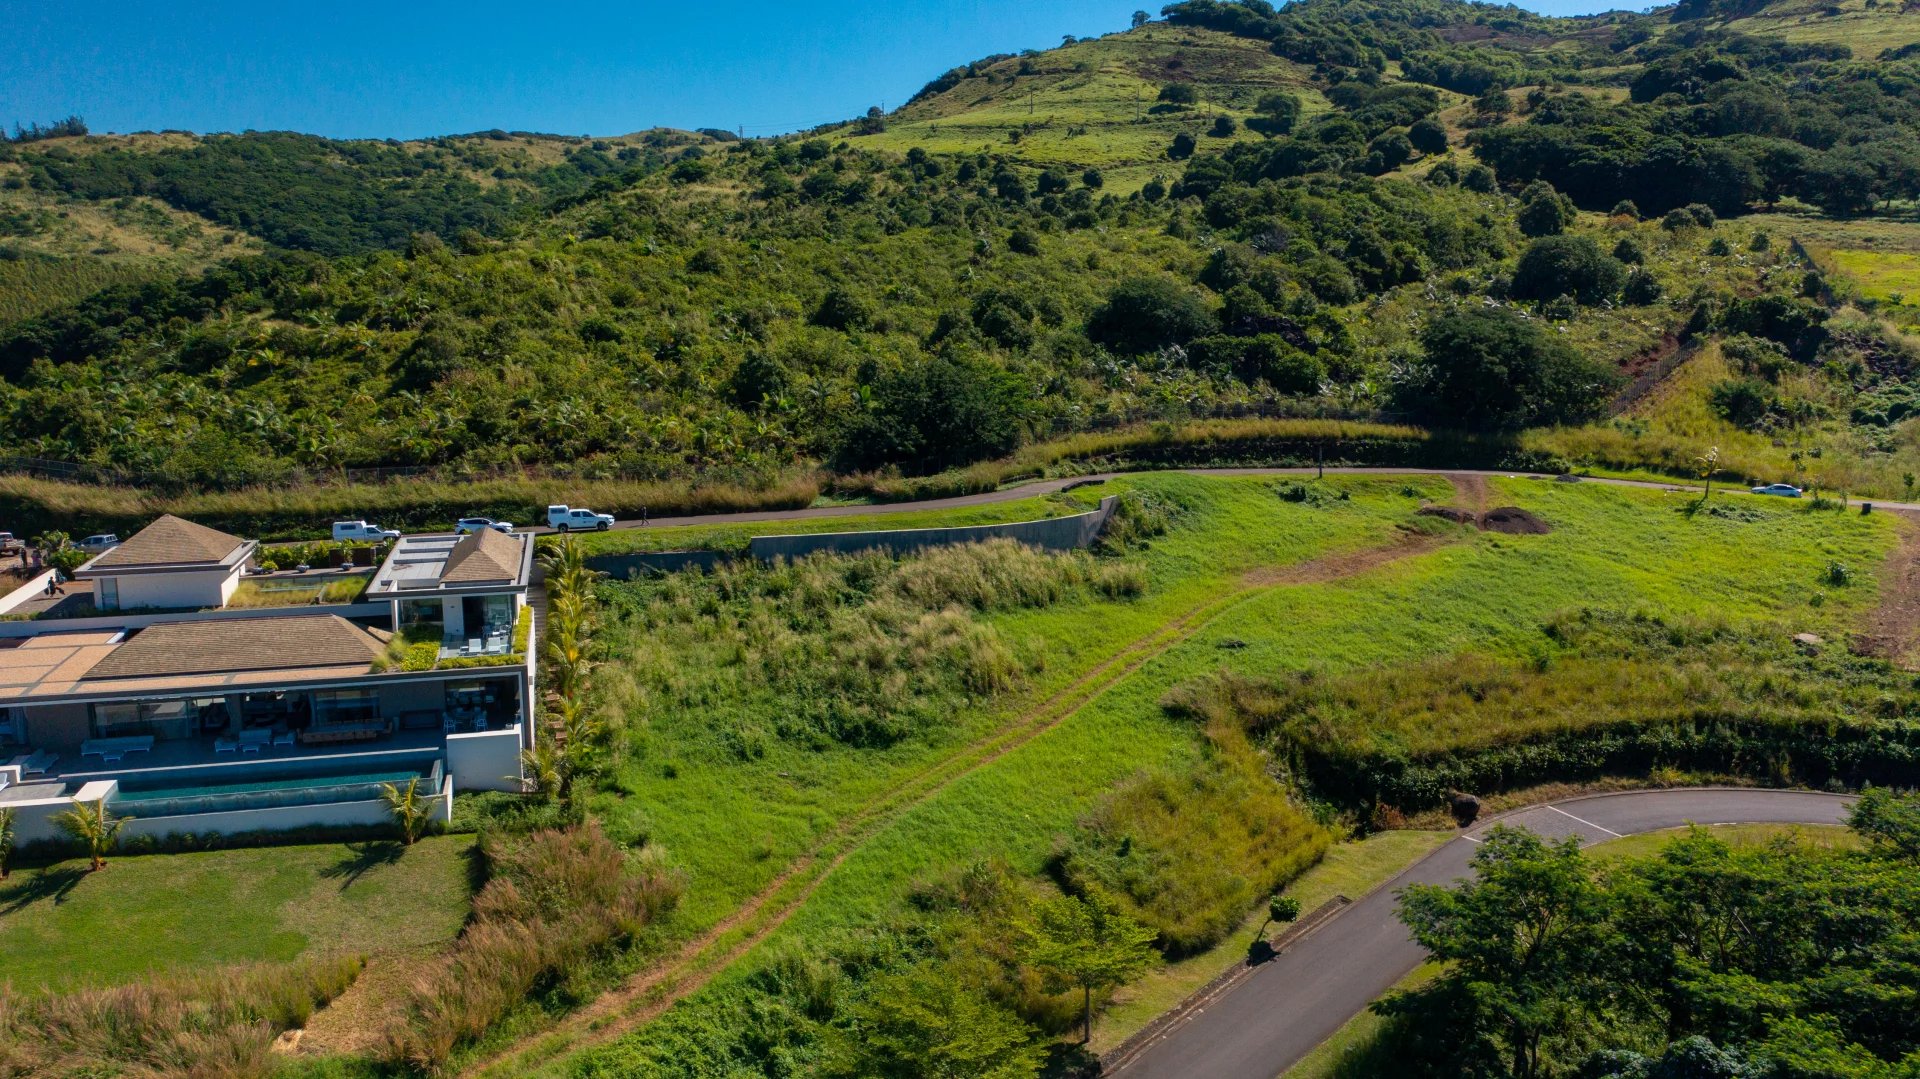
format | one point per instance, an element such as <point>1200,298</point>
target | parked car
<point>9,543</point>
<point>1784,490</point>
<point>100,543</point>
<point>362,530</point>
<point>574,518</point>
<point>475,524</point>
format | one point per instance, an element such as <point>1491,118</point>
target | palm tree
<point>410,811</point>
<point>94,827</point>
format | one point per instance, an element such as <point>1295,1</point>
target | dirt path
<point>1892,629</point>
<point>647,994</point>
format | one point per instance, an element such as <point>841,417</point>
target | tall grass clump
<point>850,649</point>
<point>215,1022</point>
<point>557,900</point>
<point>1601,694</point>
<point>1189,851</point>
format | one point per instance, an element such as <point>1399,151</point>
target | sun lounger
<point>36,763</point>
<point>282,738</point>
<point>226,745</point>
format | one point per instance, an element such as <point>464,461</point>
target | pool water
<point>137,792</point>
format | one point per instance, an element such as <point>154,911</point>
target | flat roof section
<point>423,565</point>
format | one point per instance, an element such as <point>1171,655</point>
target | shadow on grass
<point>24,890</point>
<point>1070,1062</point>
<point>361,859</point>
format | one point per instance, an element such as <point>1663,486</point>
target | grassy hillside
<point>1095,103</point>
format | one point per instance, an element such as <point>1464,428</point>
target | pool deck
<point>198,753</point>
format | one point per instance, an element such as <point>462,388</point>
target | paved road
<point>1037,488</point>
<point>1265,1024</point>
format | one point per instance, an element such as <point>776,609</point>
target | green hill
<point>1237,210</point>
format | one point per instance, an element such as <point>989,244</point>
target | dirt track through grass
<point>651,992</point>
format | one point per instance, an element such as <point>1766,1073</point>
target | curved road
<point>1265,1023</point>
<point>1036,488</point>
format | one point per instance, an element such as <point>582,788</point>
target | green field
<point>881,819</point>
<point>61,926</point>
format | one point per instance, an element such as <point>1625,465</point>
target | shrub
<point>1488,368</point>
<point>1543,211</point>
<point>1556,266</point>
<point>1143,314</point>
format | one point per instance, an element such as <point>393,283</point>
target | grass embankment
<point>739,820</point>
<point>63,927</point>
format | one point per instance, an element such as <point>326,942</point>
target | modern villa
<point>193,712</point>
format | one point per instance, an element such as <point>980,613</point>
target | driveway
<point>1292,1003</point>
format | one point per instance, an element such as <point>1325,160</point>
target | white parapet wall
<point>485,760</point>
<point>33,819</point>
<point>25,592</point>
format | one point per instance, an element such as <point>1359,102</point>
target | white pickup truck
<point>362,530</point>
<point>576,519</point>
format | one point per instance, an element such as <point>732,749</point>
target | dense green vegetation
<point>665,306</point>
<point>1789,959</point>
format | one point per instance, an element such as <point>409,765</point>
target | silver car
<point>475,524</point>
<point>1784,490</point>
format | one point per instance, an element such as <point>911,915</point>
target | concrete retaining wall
<point>1053,534</point>
<point>485,760</point>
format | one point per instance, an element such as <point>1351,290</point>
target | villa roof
<point>240,644</point>
<point>482,555</point>
<point>170,541</point>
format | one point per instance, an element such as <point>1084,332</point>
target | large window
<point>332,707</point>
<point>161,719</point>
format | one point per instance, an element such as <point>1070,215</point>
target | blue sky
<point>410,68</point>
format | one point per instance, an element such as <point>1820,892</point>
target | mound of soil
<point>1511,520</point>
<point>1514,521</point>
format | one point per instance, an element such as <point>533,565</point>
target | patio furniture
<point>361,731</point>
<point>282,738</point>
<point>473,646</point>
<point>118,746</point>
<point>36,763</point>
<point>480,722</point>
<point>226,745</point>
<point>253,739</point>
<point>109,758</point>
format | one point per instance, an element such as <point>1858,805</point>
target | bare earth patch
<point>1892,628</point>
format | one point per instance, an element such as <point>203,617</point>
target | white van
<point>362,530</point>
<point>576,519</point>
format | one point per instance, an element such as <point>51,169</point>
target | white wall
<point>33,820</point>
<point>485,760</point>
<point>25,592</point>
<point>202,588</point>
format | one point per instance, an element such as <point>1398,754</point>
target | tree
<point>1141,18</point>
<point>6,842</point>
<point>924,1022</point>
<point>1708,463</point>
<point>1555,266</point>
<point>1143,314</point>
<point>1888,821</point>
<point>1179,93</point>
<point>1523,938</point>
<point>1281,908</point>
<point>1428,136</point>
<point>1543,211</point>
<point>1277,114</point>
<point>94,828</point>
<point>411,812</point>
<point>1491,369</point>
<point>1085,944</point>
<point>1094,179</point>
<point>948,410</point>
<point>1182,147</point>
<point>1224,127</point>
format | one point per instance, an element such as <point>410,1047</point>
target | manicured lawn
<point>62,926</point>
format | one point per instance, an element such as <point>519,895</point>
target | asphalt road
<point>1295,1001</point>
<point>1037,488</point>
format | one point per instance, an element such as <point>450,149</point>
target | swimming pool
<point>161,796</point>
